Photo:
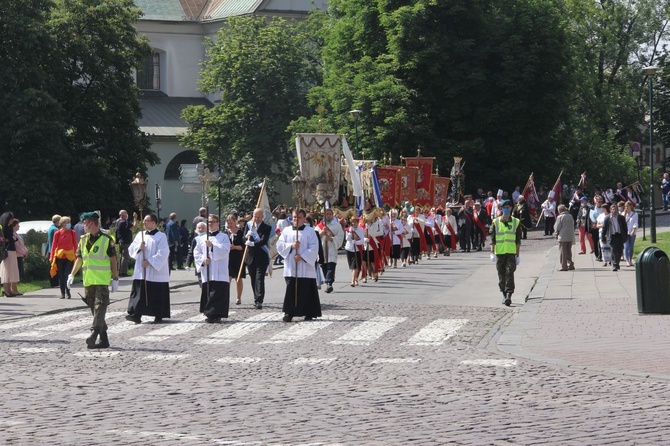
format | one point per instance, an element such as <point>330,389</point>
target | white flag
<point>355,178</point>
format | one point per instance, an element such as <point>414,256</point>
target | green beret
<point>85,215</point>
<point>505,203</point>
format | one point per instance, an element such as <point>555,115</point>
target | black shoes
<point>62,296</point>
<point>507,300</point>
<point>329,288</point>
<point>287,318</point>
<point>308,318</point>
<point>258,306</point>
<point>136,319</point>
<point>158,320</point>
<point>213,320</point>
<point>90,341</point>
<point>104,341</point>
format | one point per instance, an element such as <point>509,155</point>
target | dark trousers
<point>174,254</point>
<point>617,249</point>
<point>329,272</point>
<point>257,270</point>
<point>465,234</point>
<point>506,265</point>
<point>125,259</point>
<point>64,270</point>
<point>596,244</point>
<point>549,225</point>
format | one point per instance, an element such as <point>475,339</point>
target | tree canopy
<point>69,108</point>
<point>261,72</point>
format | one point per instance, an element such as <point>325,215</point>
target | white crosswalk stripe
<point>396,360</point>
<point>80,322</point>
<point>369,331</point>
<point>234,360</point>
<point>40,319</point>
<point>302,330</point>
<point>313,361</point>
<point>124,326</point>
<point>437,332</point>
<point>240,329</point>
<point>173,329</point>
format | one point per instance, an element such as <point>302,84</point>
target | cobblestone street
<point>368,373</point>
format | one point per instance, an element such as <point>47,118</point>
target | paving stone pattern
<point>311,390</point>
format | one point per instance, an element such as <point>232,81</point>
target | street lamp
<point>139,188</point>
<point>650,72</point>
<point>298,183</point>
<point>355,114</point>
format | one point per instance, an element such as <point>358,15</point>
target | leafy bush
<point>35,265</point>
<point>34,238</point>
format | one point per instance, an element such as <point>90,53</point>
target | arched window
<point>185,157</point>
<point>149,72</point>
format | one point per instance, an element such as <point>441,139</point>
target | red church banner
<point>407,177</point>
<point>389,184</point>
<point>440,191</point>
<point>424,183</point>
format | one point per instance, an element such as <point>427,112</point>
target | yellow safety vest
<point>505,236</point>
<point>96,267</point>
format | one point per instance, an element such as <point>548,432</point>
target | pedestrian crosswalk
<point>335,333</point>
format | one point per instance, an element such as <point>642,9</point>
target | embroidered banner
<point>389,184</point>
<point>424,177</point>
<point>407,178</point>
<point>440,191</point>
<point>319,158</point>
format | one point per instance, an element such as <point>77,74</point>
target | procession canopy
<point>319,158</point>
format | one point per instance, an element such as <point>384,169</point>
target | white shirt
<point>452,221</point>
<point>308,250</point>
<point>331,247</point>
<point>353,241</point>
<point>549,208</point>
<point>399,229</point>
<point>156,252</point>
<point>218,257</point>
<point>631,222</point>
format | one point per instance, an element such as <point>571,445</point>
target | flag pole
<point>246,247</point>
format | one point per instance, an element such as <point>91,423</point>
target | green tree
<point>31,125</point>
<point>613,40</point>
<point>487,80</point>
<point>98,48</point>
<point>261,70</point>
<point>68,106</point>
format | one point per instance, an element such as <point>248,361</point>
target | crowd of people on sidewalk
<point>307,246</point>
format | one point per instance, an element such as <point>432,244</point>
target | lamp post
<point>355,114</point>
<point>298,183</point>
<point>650,72</point>
<point>139,188</point>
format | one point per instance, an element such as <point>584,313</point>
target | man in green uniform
<point>96,256</point>
<point>505,244</point>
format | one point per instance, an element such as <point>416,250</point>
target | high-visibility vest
<point>96,267</point>
<point>505,236</point>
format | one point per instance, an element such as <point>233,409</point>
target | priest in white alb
<point>211,260</point>
<point>299,246</point>
<point>150,293</point>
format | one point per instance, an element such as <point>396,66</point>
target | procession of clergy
<point>309,249</point>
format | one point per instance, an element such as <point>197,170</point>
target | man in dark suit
<point>257,235</point>
<point>615,233</point>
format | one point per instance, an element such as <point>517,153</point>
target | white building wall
<point>182,50</point>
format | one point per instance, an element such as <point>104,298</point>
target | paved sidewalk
<point>588,319</point>
<point>48,300</point>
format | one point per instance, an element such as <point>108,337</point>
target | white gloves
<point>366,240</point>
<point>493,258</point>
<point>115,285</point>
<point>70,279</point>
<point>518,260</point>
<point>249,243</point>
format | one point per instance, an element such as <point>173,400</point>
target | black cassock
<point>159,299</point>
<point>308,298</point>
<point>216,304</point>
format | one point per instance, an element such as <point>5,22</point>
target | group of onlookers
<point>11,266</point>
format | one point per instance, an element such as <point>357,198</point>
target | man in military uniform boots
<point>96,256</point>
<point>505,244</point>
